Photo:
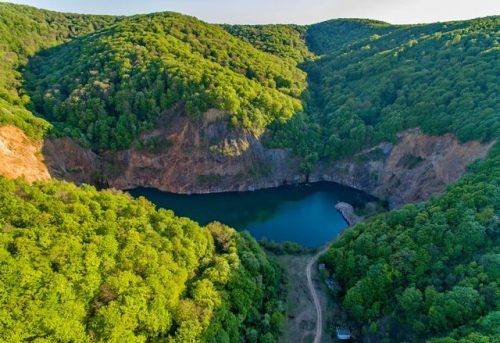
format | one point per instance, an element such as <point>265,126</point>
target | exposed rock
<point>203,157</point>
<point>416,168</point>
<point>69,161</point>
<point>20,156</point>
<point>347,212</point>
<point>207,157</point>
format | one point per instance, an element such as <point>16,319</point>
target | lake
<point>304,214</point>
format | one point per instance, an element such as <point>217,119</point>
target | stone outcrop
<point>414,169</point>
<point>69,161</point>
<point>206,156</point>
<point>201,157</point>
<point>347,212</point>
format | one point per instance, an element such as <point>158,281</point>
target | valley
<point>135,151</point>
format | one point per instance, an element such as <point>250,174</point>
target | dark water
<point>304,214</point>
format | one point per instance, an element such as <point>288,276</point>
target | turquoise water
<point>304,213</point>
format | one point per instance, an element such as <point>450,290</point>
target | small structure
<point>343,333</point>
<point>330,283</point>
<point>321,266</point>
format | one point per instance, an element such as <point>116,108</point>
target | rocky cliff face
<point>69,161</point>
<point>205,156</point>
<point>414,169</point>
<point>202,157</point>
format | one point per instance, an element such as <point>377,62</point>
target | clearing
<point>302,300</point>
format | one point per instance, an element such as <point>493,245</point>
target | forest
<point>428,271</point>
<point>80,264</point>
<point>105,88</point>
<point>103,80</point>
<point>85,265</point>
<point>391,78</point>
<point>285,41</point>
<point>25,31</point>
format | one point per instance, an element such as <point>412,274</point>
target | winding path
<point>347,212</point>
<point>312,290</point>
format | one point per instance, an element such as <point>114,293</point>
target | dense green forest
<point>367,80</point>
<point>286,41</point>
<point>338,34</point>
<point>24,31</point>
<point>428,270</point>
<point>107,87</point>
<point>85,265</point>
<point>440,77</point>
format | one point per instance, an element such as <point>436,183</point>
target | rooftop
<point>343,333</point>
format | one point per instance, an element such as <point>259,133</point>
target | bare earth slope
<point>20,156</point>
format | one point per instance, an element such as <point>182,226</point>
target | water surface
<point>303,213</point>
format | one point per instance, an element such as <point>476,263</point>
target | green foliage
<point>371,81</point>
<point>19,116</point>
<point>286,41</point>
<point>81,265</point>
<point>287,247</point>
<point>379,80</point>
<point>302,134</point>
<point>106,87</point>
<point>337,34</point>
<point>24,31</point>
<point>432,267</point>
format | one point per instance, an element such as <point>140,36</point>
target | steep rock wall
<point>204,156</point>
<point>201,157</point>
<point>414,169</point>
<point>69,161</point>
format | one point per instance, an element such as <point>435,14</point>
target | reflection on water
<point>304,213</point>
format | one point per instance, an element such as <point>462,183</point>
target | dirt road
<point>314,295</point>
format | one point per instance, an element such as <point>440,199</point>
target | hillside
<point>439,77</point>
<point>335,35</point>
<point>25,31</point>
<point>285,41</point>
<point>106,88</point>
<point>82,265</point>
<point>427,270</point>
<point>167,101</point>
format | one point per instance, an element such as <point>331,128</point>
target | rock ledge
<point>347,212</point>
